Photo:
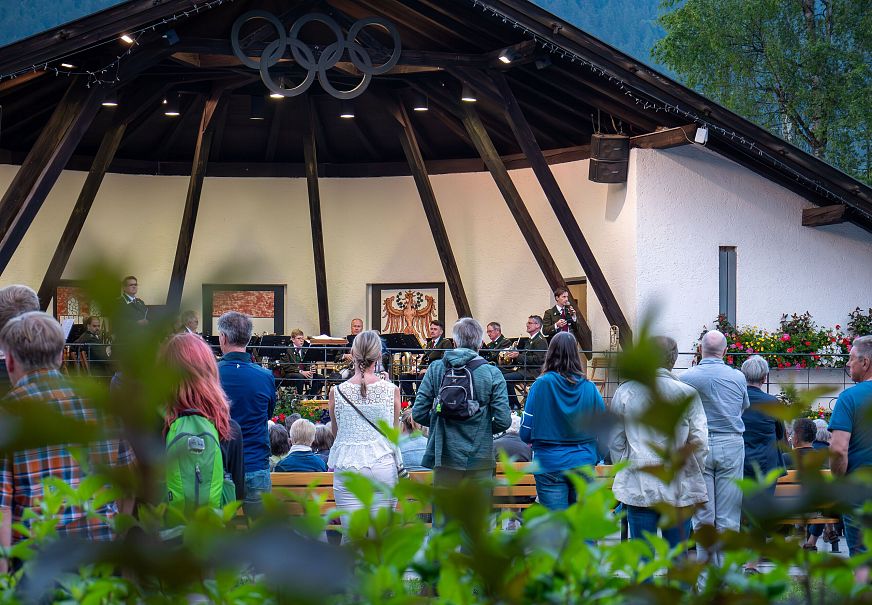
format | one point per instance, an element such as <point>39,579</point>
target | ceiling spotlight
<point>126,38</point>
<point>111,99</point>
<point>466,95</point>
<point>419,102</point>
<point>171,105</point>
<point>275,95</point>
<point>68,66</point>
<point>258,108</point>
<point>507,55</point>
<point>346,110</point>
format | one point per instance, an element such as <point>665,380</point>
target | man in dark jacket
<point>498,342</point>
<point>463,449</point>
<point>528,360</point>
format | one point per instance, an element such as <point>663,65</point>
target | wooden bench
<point>304,486</point>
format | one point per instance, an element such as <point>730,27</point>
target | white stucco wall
<point>257,231</point>
<point>691,201</point>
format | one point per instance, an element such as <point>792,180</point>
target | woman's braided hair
<point>365,351</point>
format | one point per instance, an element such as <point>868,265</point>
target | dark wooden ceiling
<point>562,104</point>
<point>444,42</point>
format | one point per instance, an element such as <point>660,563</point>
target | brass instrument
<point>503,358</point>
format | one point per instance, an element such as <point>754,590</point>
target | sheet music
<point>67,326</point>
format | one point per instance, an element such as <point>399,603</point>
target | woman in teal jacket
<point>561,413</point>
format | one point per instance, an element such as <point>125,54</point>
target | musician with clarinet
<point>561,317</point>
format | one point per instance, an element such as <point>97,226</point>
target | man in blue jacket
<point>252,393</point>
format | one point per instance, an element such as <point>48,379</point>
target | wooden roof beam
<point>825,215</point>
<point>45,161</point>
<point>518,209</point>
<point>665,138</point>
<point>408,140</point>
<point>311,159</point>
<point>564,214</point>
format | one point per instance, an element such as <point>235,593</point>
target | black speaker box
<point>609,156</point>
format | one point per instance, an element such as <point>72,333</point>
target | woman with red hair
<point>199,392</point>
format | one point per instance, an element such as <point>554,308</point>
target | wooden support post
<point>311,158</point>
<point>205,135</point>
<point>558,202</point>
<point>104,157</point>
<point>479,136</point>
<point>409,142</point>
<point>44,163</point>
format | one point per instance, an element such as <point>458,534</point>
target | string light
<point>658,104</point>
<point>98,76</point>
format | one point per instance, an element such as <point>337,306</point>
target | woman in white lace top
<point>359,447</point>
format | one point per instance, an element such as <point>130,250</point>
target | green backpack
<point>195,465</point>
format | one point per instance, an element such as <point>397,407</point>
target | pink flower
<point>785,337</point>
<point>749,350</point>
<point>838,327</point>
<point>790,349</point>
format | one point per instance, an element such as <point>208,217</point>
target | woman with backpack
<point>204,445</point>
<point>356,408</point>
<point>560,422</point>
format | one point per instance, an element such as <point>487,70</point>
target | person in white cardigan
<point>638,443</point>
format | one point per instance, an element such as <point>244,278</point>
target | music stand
<point>313,353</point>
<point>402,342</point>
<point>273,345</point>
<point>76,331</point>
<point>522,342</point>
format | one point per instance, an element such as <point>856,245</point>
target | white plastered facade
<point>656,239</point>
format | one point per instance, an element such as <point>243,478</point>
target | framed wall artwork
<point>264,303</point>
<point>407,308</point>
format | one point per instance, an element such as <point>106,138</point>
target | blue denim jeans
<point>256,484</point>
<point>555,490</point>
<point>642,519</point>
<point>853,535</point>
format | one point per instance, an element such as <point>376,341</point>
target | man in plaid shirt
<point>33,343</point>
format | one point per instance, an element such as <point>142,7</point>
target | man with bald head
<point>724,394</point>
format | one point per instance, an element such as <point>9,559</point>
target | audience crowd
<point>723,425</point>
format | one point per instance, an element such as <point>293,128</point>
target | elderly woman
<point>641,445</point>
<point>762,432</point>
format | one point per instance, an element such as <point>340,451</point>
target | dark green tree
<point>800,68</point>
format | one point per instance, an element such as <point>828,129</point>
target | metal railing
<point>404,368</point>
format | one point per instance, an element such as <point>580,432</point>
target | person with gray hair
<point>763,433</point>
<point>642,446</point>
<point>724,394</point>
<point>14,300</point>
<point>458,450</point>
<point>301,458</point>
<point>34,344</point>
<point>252,393</point>
<point>236,328</point>
<point>822,436</point>
<point>851,435</point>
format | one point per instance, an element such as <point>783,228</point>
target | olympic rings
<point>304,55</point>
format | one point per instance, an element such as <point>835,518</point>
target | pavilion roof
<point>568,85</point>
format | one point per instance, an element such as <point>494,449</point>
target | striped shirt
<point>22,472</point>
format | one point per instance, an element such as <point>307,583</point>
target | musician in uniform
<point>343,356</point>
<point>561,317</point>
<point>498,342</point>
<point>133,309</point>
<point>528,360</point>
<point>94,349</point>
<point>436,346</point>
<point>293,368</point>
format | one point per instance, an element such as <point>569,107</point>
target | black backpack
<point>455,399</point>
